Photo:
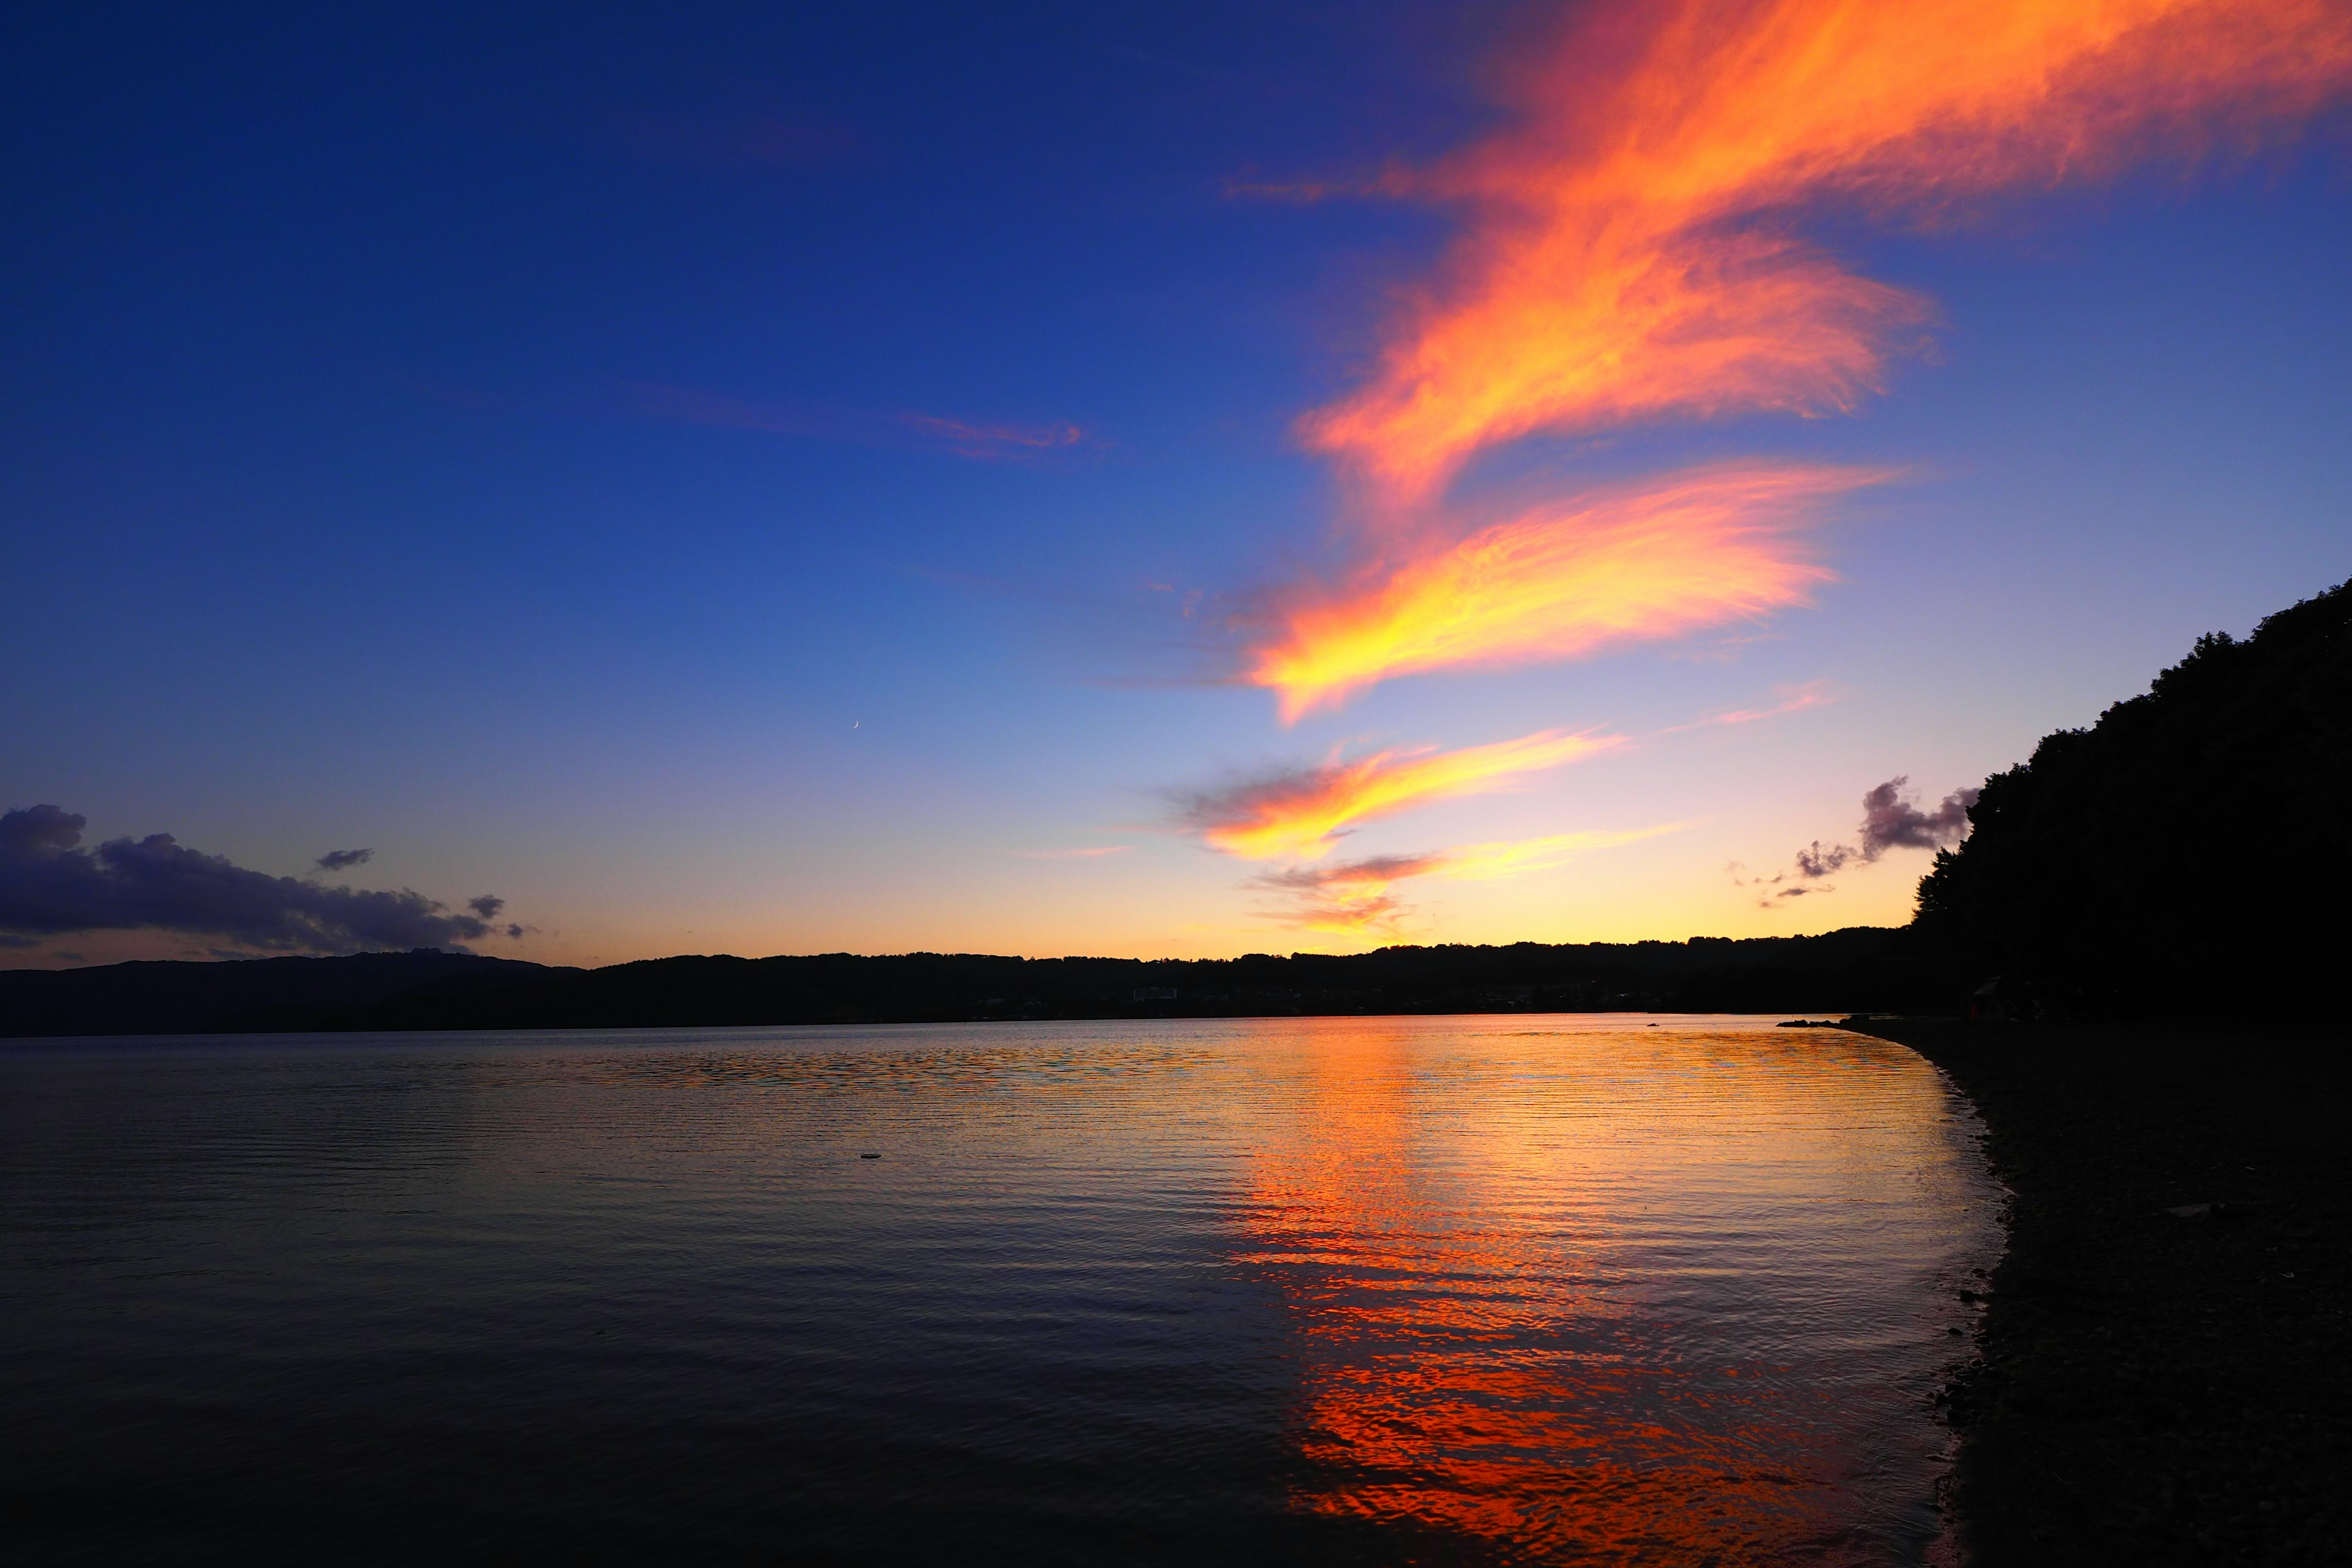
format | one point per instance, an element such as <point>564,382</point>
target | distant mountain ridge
<point>1865,967</point>
<point>254,994</point>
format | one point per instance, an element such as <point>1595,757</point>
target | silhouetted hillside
<point>258,995</point>
<point>1865,968</point>
<point>2189,851</point>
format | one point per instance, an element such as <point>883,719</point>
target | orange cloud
<point>1561,580</point>
<point>1301,812</point>
<point>1625,258</point>
<point>1630,254</point>
<point>1348,898</point>
<point>1355,896</point>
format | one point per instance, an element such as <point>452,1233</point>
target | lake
<point>1473,1289</point>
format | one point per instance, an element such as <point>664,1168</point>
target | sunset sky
<point>1170,481</point>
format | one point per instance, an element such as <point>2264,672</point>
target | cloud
<point>1739,879</point>
<point>1630,253</point>
<point>1815,861</point>
<point>1627,253</point>
<point>1559,581</point>
<point>995,441</point>
<point>1302,811</point>
<point>486,906</point>
<point>1792,700</point>
<point>1891,822</point>
<point>38,830</point>
<point>1350,897</point>
<point>343,859</point>
<point>988,441</point>
<point>48,884</point>
<point>1356,895</point>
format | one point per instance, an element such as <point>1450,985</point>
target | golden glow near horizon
<point>1301,813</point>
<point>1354,898</point>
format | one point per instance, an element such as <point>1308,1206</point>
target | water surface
<point>1466,1289</point>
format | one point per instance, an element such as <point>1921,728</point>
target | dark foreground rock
<point>2166,1353</point>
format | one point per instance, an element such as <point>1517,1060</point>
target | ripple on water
<point>1400,1290</point>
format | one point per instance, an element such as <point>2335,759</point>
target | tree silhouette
<point>2189,852</point>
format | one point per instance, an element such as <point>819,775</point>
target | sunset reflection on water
<point>1544,1302</point>
<point>1308,1292</point>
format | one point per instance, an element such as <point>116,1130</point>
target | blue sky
<point>623,461</point>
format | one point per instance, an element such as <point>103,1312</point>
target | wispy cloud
<point>1558,581</point>
<point>1789,700</point>
<point>1350,898</point>
<point>996,441</point>
<point>343,859</point>
<point>1302,811</point>
<point>985,440</point>
<point>1626,255</point>
<point>1356,897</point>
<point>1630,253</point>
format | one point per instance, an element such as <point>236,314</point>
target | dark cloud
<point>48,884</point>
<point>515,931</point>
<point>40,828</point>
<point>1891,822</point>
<point>486,906</point>
<point>1815,861</point>
<point>343,859</point>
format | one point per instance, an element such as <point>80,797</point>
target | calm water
<point>1468,1290</point>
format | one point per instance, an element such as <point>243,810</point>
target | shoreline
<point>2164,1363</point>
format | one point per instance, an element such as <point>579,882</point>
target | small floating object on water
<point>869,1156</point>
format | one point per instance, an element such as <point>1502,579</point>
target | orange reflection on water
<point>1478,1368</point>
